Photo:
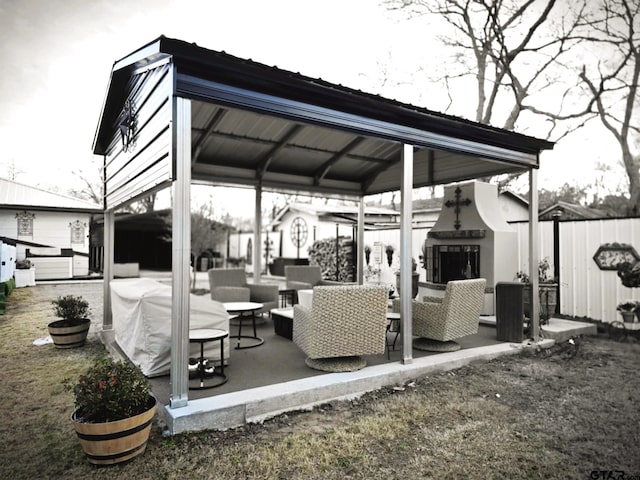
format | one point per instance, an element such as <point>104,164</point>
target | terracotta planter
<point>69,333</point>
<point>109,443</point>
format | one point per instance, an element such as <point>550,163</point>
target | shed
<point>176,113</point>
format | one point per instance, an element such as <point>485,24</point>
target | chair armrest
<point>429,299</point>
<point>333,283</point>
<point>230,294</point>
<point>297,285</point>
<point>263,293</point>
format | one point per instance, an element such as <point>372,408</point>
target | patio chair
<point>438,322</point>
<point>230,285</point>
<point>343,323</point>
<point>303,277</point>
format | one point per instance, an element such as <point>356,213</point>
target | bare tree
<point>511,49</point>
<point>613,29</point>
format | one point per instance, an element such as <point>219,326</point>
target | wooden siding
<point>148,163</point>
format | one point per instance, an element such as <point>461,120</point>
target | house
<point>50,229</point>
<point>572,211</point>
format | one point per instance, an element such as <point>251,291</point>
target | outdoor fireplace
<point>470,239</point>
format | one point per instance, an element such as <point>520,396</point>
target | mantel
<point>479,233</point>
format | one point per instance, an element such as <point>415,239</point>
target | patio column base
<point>336,364</point>
<point>428,345</point>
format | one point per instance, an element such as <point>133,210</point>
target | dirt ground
<point>572,411</point>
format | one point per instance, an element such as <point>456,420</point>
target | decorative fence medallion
<point>610,255</point>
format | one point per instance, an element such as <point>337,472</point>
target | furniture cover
<point>306,277</point>
<point>437,323</point>
<point>343,323</point>
<point>142,323</point>
<point>230,285</point>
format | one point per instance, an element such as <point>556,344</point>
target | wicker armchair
<point>343,323</point>
<point>457,315</point>
<point>230,285</point>
<point>303,277</point>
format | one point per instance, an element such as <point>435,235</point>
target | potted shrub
<point>25,273</point>
<point>627,309</point>
<point>547,288</point>
<point>72,330</point>
<point>113,411</point>
<point>415,276</point>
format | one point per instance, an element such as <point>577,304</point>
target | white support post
<point>257,245</point>
<point>534,253</point>
<point>360,243</point>
<point>181,254</point>
<point>107,270</point>
<point>406,310</point>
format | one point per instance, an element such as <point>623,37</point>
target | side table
<point>245,311</point>
<point>393,325</point>
<point>202,336</point>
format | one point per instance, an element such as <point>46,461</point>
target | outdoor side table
<point>202,336</point>
<point>245,311</point>
<point>393,325</point>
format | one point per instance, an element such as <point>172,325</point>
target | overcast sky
<point>56,58</point>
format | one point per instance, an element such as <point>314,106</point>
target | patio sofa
<point>342,323</point>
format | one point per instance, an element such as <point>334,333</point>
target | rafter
<point>324,168</point>
<point>263,164</point>
<point>199,144</point>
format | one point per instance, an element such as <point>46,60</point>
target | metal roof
<point>252,124</point>
<point>17,195</point>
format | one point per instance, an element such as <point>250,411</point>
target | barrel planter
<point>109,443</point>
<point>69,333</point>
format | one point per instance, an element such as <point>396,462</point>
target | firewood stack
<point>323,253</point>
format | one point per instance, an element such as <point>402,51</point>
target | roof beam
<point>265,161</point>
<point>324,169</point>
<point>199,144</point>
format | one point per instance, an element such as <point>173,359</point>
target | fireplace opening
<point>452,262</point>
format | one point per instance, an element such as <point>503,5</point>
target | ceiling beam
<point>324,169</point>
<point>199,144</point>
<point>263,164</point>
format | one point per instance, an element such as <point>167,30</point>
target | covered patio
<point>176,114</point>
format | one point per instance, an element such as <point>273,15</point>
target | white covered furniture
<point>142,323</point>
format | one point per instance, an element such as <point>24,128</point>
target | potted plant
<point>113,411</point>
<point>414,279</point>
<point>627,309</point>
<point>72,330</point>
<point>25,273</point>
<point>388,250</point>
<point>547,288</point>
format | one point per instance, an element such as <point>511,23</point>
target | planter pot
<point>415,276</point>
<point>69,333</point>
<point>109,443</point>
<point>628,317</point>
<point>25,277</point>
<point>548,300</point>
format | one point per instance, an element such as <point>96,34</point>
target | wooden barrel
<point>109,443</point>
<point>69,334</point>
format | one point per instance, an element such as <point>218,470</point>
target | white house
<point>49,229</point>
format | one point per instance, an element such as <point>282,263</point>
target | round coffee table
<point>245,311</point>
<point>202,336</point>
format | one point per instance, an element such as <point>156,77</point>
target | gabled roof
<point>253,124</point>
<point>572,211</point>
<point>18,195</point>
<point>346,212</point>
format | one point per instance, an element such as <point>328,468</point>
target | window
<point>25,224</point>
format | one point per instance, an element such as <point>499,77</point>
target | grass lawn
<point>561,413</point>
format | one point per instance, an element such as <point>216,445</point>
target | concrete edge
<point>255,405</point>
